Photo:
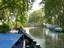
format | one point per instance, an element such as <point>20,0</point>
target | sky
<point>36,6</point>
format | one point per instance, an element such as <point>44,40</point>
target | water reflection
<point>47,38</point>
<point>54,43</point>
<point>53,35</point>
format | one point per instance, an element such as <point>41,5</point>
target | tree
<point>55,9</point>
<point>17,8</point>
<point>37,17</point>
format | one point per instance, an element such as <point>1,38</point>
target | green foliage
<point>37,17</point>
<point>4,28</point>
<point>55,9</point>
<point>9,8</point>
<point>17,7</point>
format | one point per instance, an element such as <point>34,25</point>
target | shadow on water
<point>46,38</point>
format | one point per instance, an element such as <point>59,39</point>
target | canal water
<point>46,38</point>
